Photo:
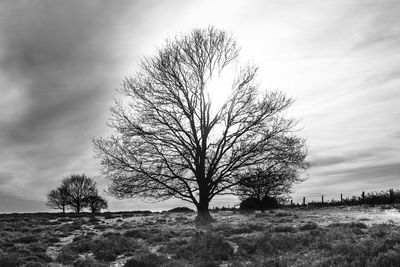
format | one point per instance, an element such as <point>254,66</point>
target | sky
<point>61,61</point>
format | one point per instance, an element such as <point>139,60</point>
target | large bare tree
<point>172,140</point>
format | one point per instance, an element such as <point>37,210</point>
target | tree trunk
<point>203,214</point>
<point>260,204</point>
<point>63,208</point>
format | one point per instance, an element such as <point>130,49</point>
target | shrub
<point>81,245</point>
<point>146,260</point>
<point>42,257</point>
<point>181,218</point>
<point>228,230</point>
<point>249,204</point>
<point>205,247</point>
<point>67,255</point>
<point>271,243</point>
<point>27,239</point>
<point>308,226</point>
<point>100,227</point>
<point>246,245</point>
<point>181,209</point>
<point>209,264</point>
<point>283,214</point>
<point>390,258</point>
<point>53,239</point>
<point>9,260</point>
<point>255,204</point>
<point>138,233</point>
<point>34,264</point>
<point>87,262</point>
<point>284,229</point>
<point>359,225</point>
<point>162,236</point>
<point>107,249</point>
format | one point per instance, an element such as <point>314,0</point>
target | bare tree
<point>172,141</point>
<point>79,188</point>
<point>275,178</point>
<point>262,182</point>
<point>97,203</point>
<point>58,198</point>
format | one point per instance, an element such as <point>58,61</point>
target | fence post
<point>341,198</point>
<point>304,201</point>
<point>391,195</point>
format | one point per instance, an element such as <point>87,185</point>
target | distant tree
<point>263,204</point>
<point>266,183</point>
<point>97,203</point>
<point>79,189</point>
<point>173,141</point>
<point>58,198</point>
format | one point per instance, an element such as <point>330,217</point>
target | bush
<point>38,257</point>
<point>284,229</point>
<point>53,239</point>
<point>67,255</point>
<point>27,239</point>
<point>87,262</point>
<point>206,247</point>
<point>255,204</point>
<point>390,258</point>
<point>146,260</point>
<point>34,264</point>
<point>308,226</point>
<point>107,249</point>
<point>181,209</point>
<point>271,243</point>
<point>246,245</point>
<point>138,233</point>
<point>9,260</point>
<point>209,264</point>
<point>81,245</point>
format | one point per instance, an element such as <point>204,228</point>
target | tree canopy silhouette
<point>265,184</point>
<point>76,192</point>
<point>172,140</point>
<point>97,203</point>
<point>58,198</point>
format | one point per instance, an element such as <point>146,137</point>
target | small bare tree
<point>275,178</point>
<point>97,203</point>
<point>58,198</point>
<point>172,141</point>
<point>79,188</point>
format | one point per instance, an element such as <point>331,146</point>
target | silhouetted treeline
<point>372,198</point>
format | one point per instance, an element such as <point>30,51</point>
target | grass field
<point>334,236</point>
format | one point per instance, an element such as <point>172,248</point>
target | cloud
<point>381,25</point>
<point>56,58</point>
<point>11,204</point>
<point>374,172</point>
<point>330,159</point>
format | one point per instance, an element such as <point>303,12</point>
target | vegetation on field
<point>292,237</point>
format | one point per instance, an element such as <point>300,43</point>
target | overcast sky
<point>61,61</point>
